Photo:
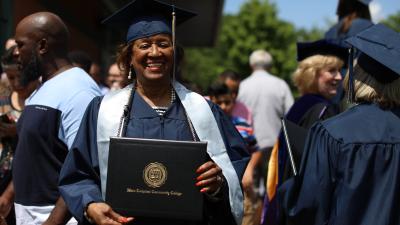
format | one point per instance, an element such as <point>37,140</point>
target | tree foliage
<point>393,21</point>
<point>255,26</point>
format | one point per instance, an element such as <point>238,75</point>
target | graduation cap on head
<point>144,18</point>
<point>321,47</point>
<point>380,53</point>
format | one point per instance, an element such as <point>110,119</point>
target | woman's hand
<point>102,214</point>
<point>210,178</point>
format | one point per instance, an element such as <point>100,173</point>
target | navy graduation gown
<point>306,110</point>
<point>350,171</point>
<point>79,178</point>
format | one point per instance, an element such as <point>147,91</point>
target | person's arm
<point>255,161</point>
<point>220,212</point>
<point>59,215</point>
<point>7,200</point>
<point>235,145</point>
<point>79,182</point>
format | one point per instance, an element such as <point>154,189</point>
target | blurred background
<point>221,37</point>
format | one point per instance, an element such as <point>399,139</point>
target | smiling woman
<point>154,106</point>
<point>152,60</point>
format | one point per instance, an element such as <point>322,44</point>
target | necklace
<point>173,95</point>
<point>161,110</point>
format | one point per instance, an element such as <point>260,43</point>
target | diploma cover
<point>155,178</point>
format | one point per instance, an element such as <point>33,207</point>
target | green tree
<point>310,35</point>
<point>255,26</point>
<point>200,66</point>
<point>393,21</point>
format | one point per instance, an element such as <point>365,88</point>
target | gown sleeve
<point>220,212</point>
<point>306,198</point>
<point>234,143</point>
<point>79,181</point>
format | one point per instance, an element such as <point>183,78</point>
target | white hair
<point>260,59</point>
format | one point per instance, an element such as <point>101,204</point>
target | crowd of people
<point>58,113</point>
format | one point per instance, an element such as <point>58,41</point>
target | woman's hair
<point>368,89</point>
<point>123,58</point>
<point>305,76</point>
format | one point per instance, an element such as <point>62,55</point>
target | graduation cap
<point>380,54</point>
<point>144,18</point>
<point>321,47</point>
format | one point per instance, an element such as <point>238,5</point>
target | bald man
<point>50,120</point>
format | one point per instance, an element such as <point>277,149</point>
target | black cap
<point>380,52</point>
<point>321,47</point>
<point>144,18</point>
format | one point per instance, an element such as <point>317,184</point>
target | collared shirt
<point>46,129</point>
<point>269,98</point>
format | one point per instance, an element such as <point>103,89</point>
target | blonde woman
<point>317,78</point>
<point>350,172</point>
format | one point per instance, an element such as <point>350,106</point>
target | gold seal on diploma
<point>155,174</point>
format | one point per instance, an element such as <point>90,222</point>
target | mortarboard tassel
<point>173,41</point>
<point>351,94</point>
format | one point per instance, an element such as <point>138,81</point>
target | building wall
<point>82,18</point>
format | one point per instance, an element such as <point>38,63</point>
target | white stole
<point>203,120</point>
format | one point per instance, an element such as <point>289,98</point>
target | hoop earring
<point>130,72</point>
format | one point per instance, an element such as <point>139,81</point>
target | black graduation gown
<point>350,171</point>
<point>79,178</point>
